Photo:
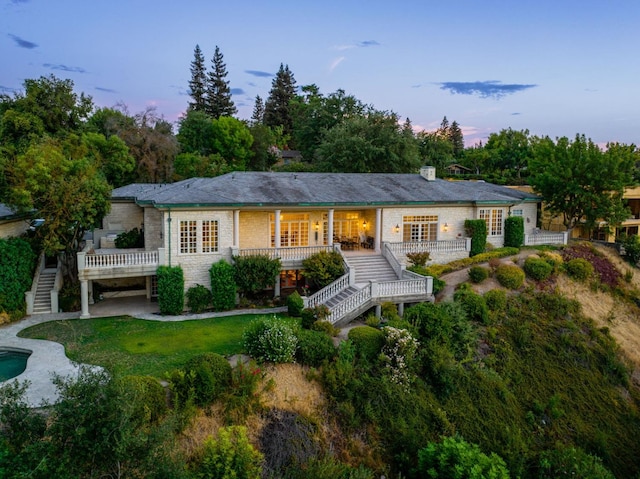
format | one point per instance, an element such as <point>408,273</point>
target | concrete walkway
<point>48,358</point>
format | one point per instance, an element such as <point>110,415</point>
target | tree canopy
<point>581,182</point>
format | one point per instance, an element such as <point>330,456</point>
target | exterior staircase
<point>42,302</point>
<point>371,267</point>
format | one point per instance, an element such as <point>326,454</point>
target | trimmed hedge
<point>477,231</point>
<point>367,341</point>
<point>198,298</point>
<point>223,286</point>
<point>477,274</point>
<point>579,269</point>
<point>510,276</point>
<point>514,231</point>
<point>537,268</point>
<point>170,290</point>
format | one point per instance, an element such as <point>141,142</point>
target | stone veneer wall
<point>196,265</point>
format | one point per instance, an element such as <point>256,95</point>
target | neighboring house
<point>456,169</point>
<point>629,227</point>
<point>199,221</point>
<point>286,157</point>
<point>12,223</point>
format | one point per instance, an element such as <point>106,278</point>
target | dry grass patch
<point>293,391</point>
<point>621,317</point>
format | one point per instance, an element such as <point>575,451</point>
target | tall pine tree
<point>198,82</point>
<point>218,101</point>
<point>277,109</point>
<point>457,139</point>
<point>258,111</point>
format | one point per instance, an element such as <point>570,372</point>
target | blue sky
<point>556,67</point>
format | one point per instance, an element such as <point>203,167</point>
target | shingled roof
<point>318,189</point>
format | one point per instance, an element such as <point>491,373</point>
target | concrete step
<point>338,298</point>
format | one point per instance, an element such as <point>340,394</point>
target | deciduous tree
<point>581,182</point>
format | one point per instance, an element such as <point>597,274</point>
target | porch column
<point>401,309</point>
<point>378,236</point>
<point>330,227</point>
<point>236,228</point>
<point>84,298</point>
<point>276,221</point>
<point>276,289</point>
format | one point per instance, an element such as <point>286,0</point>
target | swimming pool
<point>13,362</point>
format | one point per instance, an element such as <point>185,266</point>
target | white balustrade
<point>293,253</point>
<point>329,291</point>
<point>349,304</point>
<point>545,238</point>
<point>448,246</point>
<point>138,258</point>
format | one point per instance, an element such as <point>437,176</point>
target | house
<point>456,169</point>
<point>12,223</point>
<point>286,157</point>
<point>629,227</point>
<point>372,219</point>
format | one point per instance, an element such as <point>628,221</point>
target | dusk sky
<point>556,67</point>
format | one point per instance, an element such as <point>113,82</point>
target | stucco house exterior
<point>379,217</point>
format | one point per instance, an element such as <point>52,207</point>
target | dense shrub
<point>314,347</point>
<point>295,304</point>
<point>319,312</point>
<point>198,298</point>
<point>579,269</point>
<point>223,286</point>
<point>323,268</point>
<point>477,231</point>
<point>398,356</point>
<point>473,304</point>
<point>510,276</point>
<point>327,468</point>
<point>170,289</point>
<point>130,239</point>
<point>456,458</point>
<point>17,263</point>
<point>572,462</point>
<point>477,274</point>
<point>514,231</point>
<point>255,273</point>
<point>537,268</point>
<point>367,341</point>
<point>326,327</point>
<point>553,258</point>
<point>389,311</point>
<point>270,339</point>
<point>631,249</point>
<point>496,299</point>
<point>229,456</point>
<point>147,395</point>
<point>202,380</point>
<point>419,258</point>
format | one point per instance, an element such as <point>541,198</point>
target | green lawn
<point>134,346</point>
